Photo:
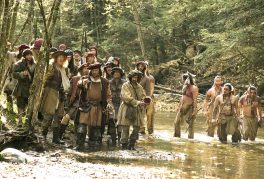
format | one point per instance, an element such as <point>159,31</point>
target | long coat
<point>52,100</point>
<point>24,82</point>
<point>133,97</point>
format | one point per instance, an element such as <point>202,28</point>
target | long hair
<point>188,76</point>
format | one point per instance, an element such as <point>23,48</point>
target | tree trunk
<point>138,25</point>
<point>3,41</point>
<point>13,22</point>
<point>42,58</point>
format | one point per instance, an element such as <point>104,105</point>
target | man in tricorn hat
<point>132,109</point>
<point>24,72</point>
<point>73,100</point>
<point>187,109</point>
<point>115,85</point>
<point>52,106</point>
<point>95,99</point>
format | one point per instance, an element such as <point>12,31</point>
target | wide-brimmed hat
<point>133,73</point>
<point>53,49</point>
<point>117,69</point>
<point>77,51</point>
<point>68,52</point>
<point>26,52</point>
<point>82,66</point>
<point>142,63</point>
<point>94,66</point>
<point>23,47</point>
<point>59,53</point>
<point>108,64</point>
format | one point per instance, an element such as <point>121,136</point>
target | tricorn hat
<point>82,66</point>
<point>95,66</point>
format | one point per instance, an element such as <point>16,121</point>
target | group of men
<point>99,96</point>
<point>95,95</point>
<point>226,112</point>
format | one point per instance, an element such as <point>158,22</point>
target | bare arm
<point>206,102</point>
<point>195,96</point>
<point>236,108</point>
<point>216,106</point>
<point>259,111</point>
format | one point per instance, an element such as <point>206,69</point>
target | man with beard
<point>95,99</point>
<point>24,72</point>
<point>145,83</point>
<point>151,107</point>
<point>132,110</point>
<point>250,105</point>
<point>211,94</point>
<point>187,109</point>
<point>226,107</point>
<point>73,101</point>
<point>56,85</point>
<point>115,86</point>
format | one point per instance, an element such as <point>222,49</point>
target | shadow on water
<point>201,157</point>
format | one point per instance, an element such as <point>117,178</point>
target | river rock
<point>14,155</point>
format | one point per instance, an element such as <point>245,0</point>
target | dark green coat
<point>24,82</point>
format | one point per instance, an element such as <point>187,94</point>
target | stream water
<point>157,156</point>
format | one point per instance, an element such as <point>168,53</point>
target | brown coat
<point>98,95</point>
<point>129,97</point>
<point>51,103</point>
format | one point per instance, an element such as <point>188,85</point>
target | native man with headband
<point>211,94</point>
<point>187,109</point>
<point>225,109</point>
<point>250,106</point>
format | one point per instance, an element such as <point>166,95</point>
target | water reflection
<point>206,156</point>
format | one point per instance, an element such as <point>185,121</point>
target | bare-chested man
<point>250,105</point>
<point>187,109</point>
<point>211,94</point>
<point>226,107</point>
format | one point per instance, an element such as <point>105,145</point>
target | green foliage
<point>227,35</point>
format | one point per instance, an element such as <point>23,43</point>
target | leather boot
<point>56,138</point>
<point>62,130</point>
<point>124,146</point>
<point>45,133</point>
<point>131,145</point>
<point>80,142</point>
